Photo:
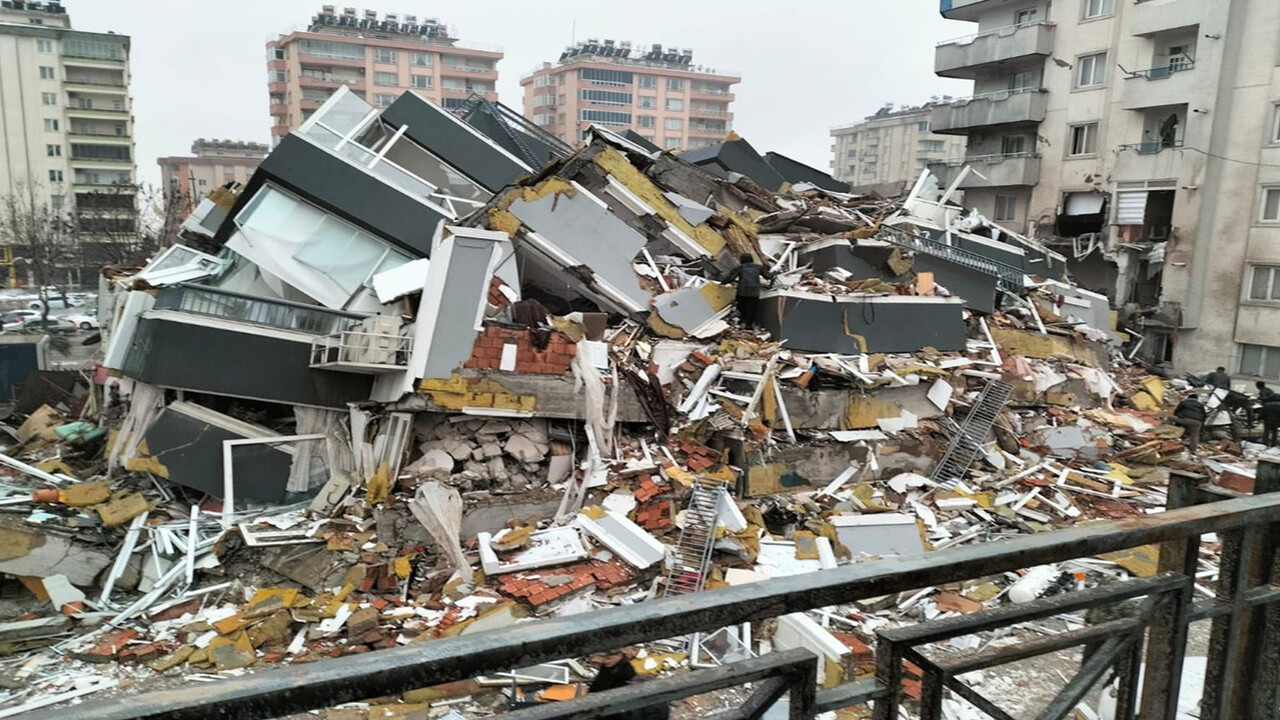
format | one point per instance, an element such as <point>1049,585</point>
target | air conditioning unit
<point>377,342</point>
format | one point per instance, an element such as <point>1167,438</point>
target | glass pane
<point>1271,204</point>
<point>1271,363</point>
<point>1275,283</point>
<point>1250,359</point>
<point>275,213</point>
<point>346,113</point>
<point>1258,288</point>
<point>357,153</point>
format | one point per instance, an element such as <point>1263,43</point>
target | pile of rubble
<point>548,408</point>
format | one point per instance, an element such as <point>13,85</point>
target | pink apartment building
<point>658,93</point>
<point>378,58</point>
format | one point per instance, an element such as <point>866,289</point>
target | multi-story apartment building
<point>891,146</point>
<point>212,163</point>
<point>66,122</point>
<point>377,58</point>
<point>1145,134</point>
<point>658,93</point>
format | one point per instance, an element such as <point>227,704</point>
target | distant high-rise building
<point>212,163</point>
<point>66,123</point>
<point>658,93</point>
<point>891,146</point>
<point>377,58</point>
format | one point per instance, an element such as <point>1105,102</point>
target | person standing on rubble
<point>1264,393</point>
<point>1270,417</point>
<point>1191,414</point>
<point>750,276</point>
<point>1219,378</point>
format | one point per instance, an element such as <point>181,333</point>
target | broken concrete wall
<point>861,324</point>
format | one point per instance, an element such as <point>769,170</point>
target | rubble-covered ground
<point>591,456</point>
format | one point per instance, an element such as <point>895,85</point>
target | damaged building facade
<point>1134,138</point>
<point>890,147</point>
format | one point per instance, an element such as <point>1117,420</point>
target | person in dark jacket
<point>1219,378</point>
<point>1191,414</point>
<point>1264,393</point>
<point>750,276</point>
<point>1271,420</point>
<point>615,672</point>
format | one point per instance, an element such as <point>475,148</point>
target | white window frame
<point>675,85</point>
<point>679,101</point>
<point>1263,192</point>
<point>1266,350</point>
<point>1011,202</point>
<point>384,55</point>
<point>1094,9</point>
<point>427,85</point>
<point>1272,290</point>
<point>49,98</point>
<point>1032,14</point>
<point>48,73</point>
<point>647,81</point>
<point>1098,59</point>
<point>676,124</point>
<point>1090,131</point>
<point>51,125</point>
<point>44,45</point>
<point>379,83</point>
<point>648,122</point>
<point>414,59</point>
<point>1274,138</point>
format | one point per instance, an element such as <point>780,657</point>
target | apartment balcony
<point>110,138</point>
<point>330,60</point>
<point>106,163</point>
<point>472,72</point>
<point>1148,17</point>
<point>965,9</point>
<point>278,109</point>
<point>330,81</point>
<point>1007,107</point>
<point>708,112</point>
<point>1175,84</point>
<point>93,62</point>
<point>709,132</point>
<point>97,112</point>
<point>366,353</point>
<point>1001,170</point>
<point>1148,161</point>
<point>967,56</point>
<point>721,95</point>
<point>277,88</point>
<point>96,86</point>
<point>465,92</point>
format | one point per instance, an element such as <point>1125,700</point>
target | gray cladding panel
<point>823,326</point>
<point>466,286</point>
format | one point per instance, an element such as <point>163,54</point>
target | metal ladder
<point>693,550</point>
<point>968,439</point>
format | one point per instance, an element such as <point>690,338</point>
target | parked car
<point>57,301</point>
<point>84,321</point>
<point>13,319</point>
<point>52,326</point>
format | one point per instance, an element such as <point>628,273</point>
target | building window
<point>50,125</point>
<point>49,98</point>
<point>931,146</point>
<point>53,150</point>
<point>1259,361</point>
<point>55,176</point>
<point>383,55</point>
<point>605,77</point>
<point>544,80</point>
<point>1098,8</point>
<point>647,81</point>
<point>47,73</point>
<point>605,97</point>
<point>1264,283</point>
<point>1091,70</point>
<point>1275,124</point>
<point>544,100</point>
<point>604,117</point>
<point>1013,144</point>
<point>424,60</point>
<point>422,81</point>
<point>673,124</point>
<point>675,85</point>
<point>647,102</point>
<point>1084,140</point>
<point>277,53</point>
<point>278,76</point>
<point>386,78</point>
<point>331,50</point>
<point>1026,17</point>
<point>644,121</point>
<point>675,104</point>
<point>851,153</point>
<point>672,142</point>
<point>1006,208</point>
<point>1270,205</point>
<point>383,100</point>
<point>57,202</point>
<point>44,46</point>
<point>924,126</point>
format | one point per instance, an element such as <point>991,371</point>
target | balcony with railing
<point>236,307</point>
<point>1173,83</point>
<point>1022,106</point>
<point>89,109</point>
<point>965,57</point>
<point>1152,160</point>
<point>996,170</point>
<point>358,351</point>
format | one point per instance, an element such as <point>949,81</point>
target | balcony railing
<point>362,352</point>
<point>212,302</point>
<point>1153,147</point>
<point>77,133</point>
<point>1010,278</point>
<point>82,159</point>
<point>1176,65</point>
<point>979,159</point>
<point>100,83</point>
<point>468,68</point>
<point>81,108</point>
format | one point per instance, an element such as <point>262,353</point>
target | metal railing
<point>468,68</point>
<point>213,302</point>
<point>1009,277</point>
<point>100,83</point>
<point>1153,147</point>
<point>1164,71</point>
<point>361,351</point>
<point>117,111</point>
<point>996,95</point>
<point>1243,671</point>
<point>1004,30</point>
<point>990,158</point>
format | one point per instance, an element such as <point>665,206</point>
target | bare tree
<point>42,237</point>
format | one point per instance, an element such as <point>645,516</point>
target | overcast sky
<point>199,66</point>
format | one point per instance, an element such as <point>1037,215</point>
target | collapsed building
<point>435,372</point>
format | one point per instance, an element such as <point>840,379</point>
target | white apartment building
<point>891,146</point>
<point>1144,137</point>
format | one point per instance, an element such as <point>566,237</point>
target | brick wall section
<point>496,298</point>
<point>486,354</point>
